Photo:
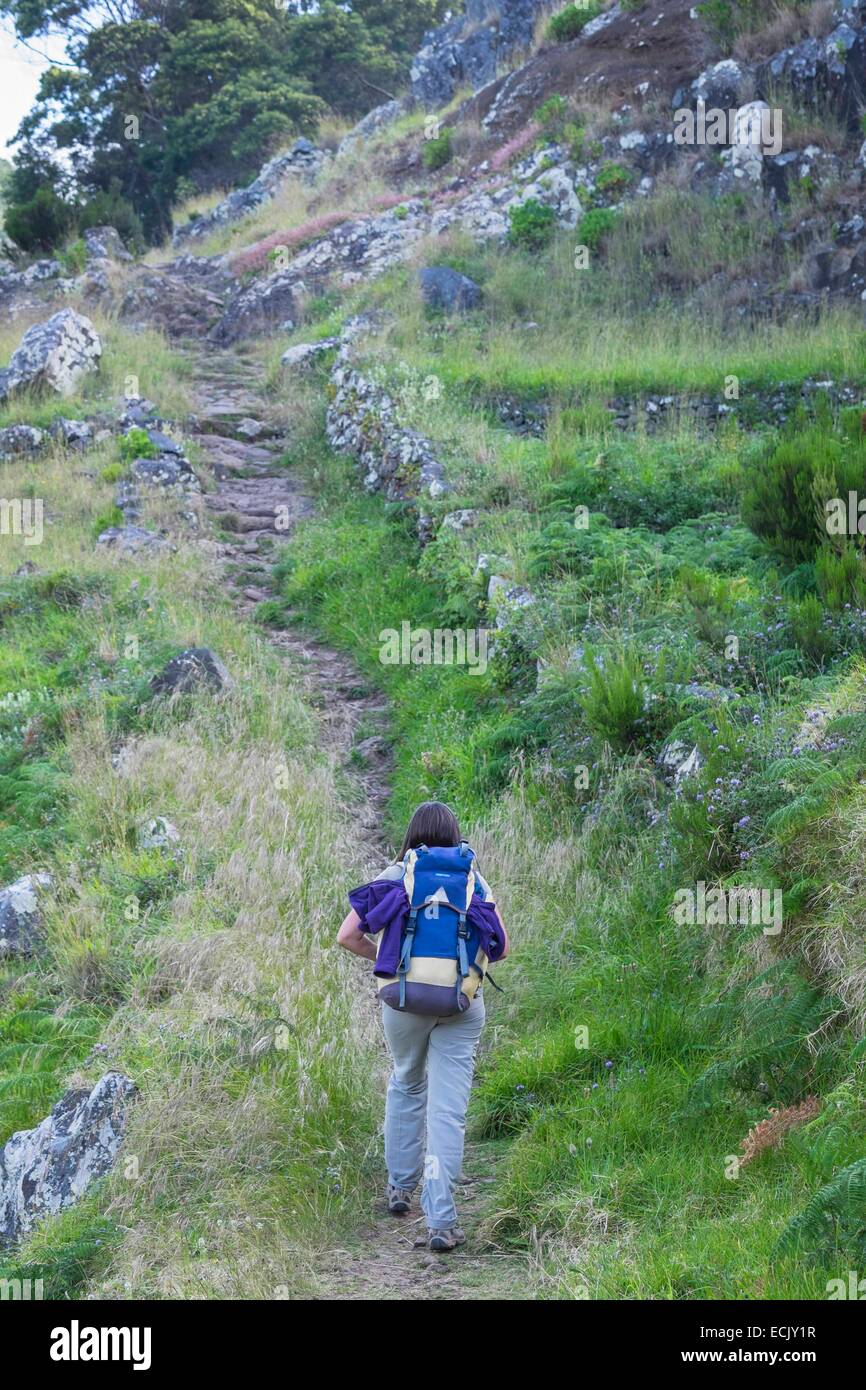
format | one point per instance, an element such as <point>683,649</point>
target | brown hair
<point>432,823</point>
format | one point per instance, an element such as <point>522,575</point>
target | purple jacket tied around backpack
<point>383,905</point>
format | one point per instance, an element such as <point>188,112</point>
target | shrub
<point>841,576</point>
<point>438,151</point>
<point>612,179</point>
<point>41,223</point>
<point>570,21</point>
<point>532,225</point>
<point>616,699</point>
<point>73,257</point>
<point>551,115</point>
<point>135,444</point>
<point>595,225</point>
<point>784,501</point>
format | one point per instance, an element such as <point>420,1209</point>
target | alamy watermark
<point>440,646</point>
<point>756,125</point>
<point>22,516</point>
<point>741,906</point>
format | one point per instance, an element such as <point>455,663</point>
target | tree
<point>156,92</point>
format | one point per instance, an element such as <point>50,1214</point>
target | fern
<point>835,1216</point>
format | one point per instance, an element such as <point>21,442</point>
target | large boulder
<point>444,288</point>
<point>55,354</point>
<point>19,915</point>
<point>189,671</point>
<point>46,1169</point>
<point>105,244</point>
<point>826,70</point>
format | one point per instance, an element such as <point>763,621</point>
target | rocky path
<point>239,436</point>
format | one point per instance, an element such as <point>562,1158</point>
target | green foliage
<point>202,96</point>
<point>38,223</point>
<point>595,226</point>
<point>834,1219</point>
<point>572,20</point>
<point>612,179</point>
<point>438,151</point>
<point>532,225</point>
<point>784,501</point>
<point>73,257</point>
<point>75,1246</point>
<point>550,115</point>
<point>135,444</point>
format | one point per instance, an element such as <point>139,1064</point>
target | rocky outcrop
<point>19,915</point>
<point>827,70</point>
<point>191,670</point>
<point>55,355</point>
<point>183,298</point>
<point>303,161</point>
<point>46,1169</point>
<point>467,51</point>
<point>378,119</point>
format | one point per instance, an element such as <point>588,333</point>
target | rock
<point>46,1169</point>
<point>16,440</point>
<point>250,429</point>
<point>303,160</point>
<point>180,299</point>
<point>55,354</point>
<point>467,50</point>
<point>723,86</point>
<point>19,915</point>
<point>444,288</point>
<point>679,761</point>
<point>165,471</point>
<point>165,443</point>
<point>190,670</point>
<point>131,540</point>
<point>105,244</point>
<point>555,188</point>
<point>460,520</point>
<point>158,833</point>
<point>302,355</point>
<point>361,421</point>
<point>827,70</point>
<point>377,119</point>
<point>74,434</point>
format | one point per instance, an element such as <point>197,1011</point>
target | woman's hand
<point>351,938</point>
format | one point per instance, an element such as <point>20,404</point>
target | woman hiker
<point>438,927</point>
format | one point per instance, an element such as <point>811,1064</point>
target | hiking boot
<point>445,1240</point>
<point>399,1199</point>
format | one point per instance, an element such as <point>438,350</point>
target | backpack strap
<point>462,953</point>
<point>405,955</point>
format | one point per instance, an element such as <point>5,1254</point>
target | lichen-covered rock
<point>303,161</point>
<point>302,355</point>
<point>19,915</point>
<point>468,49</point>
<point>378,119</point>
<point>105,244</point>
<point>48,1168</point>
<point>132,540</point>
<point>16,440</point>
<point>724,85</point>
<point>55,355</point>
<point>190,671</point>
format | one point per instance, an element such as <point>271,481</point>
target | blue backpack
<point>441,963</point>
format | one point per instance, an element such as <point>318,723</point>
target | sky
<point>20,70</point>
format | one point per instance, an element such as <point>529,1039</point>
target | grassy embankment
<point>623,1140</point>
<point>206,973</point>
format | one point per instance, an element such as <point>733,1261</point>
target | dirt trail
<point>381,1260</point>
